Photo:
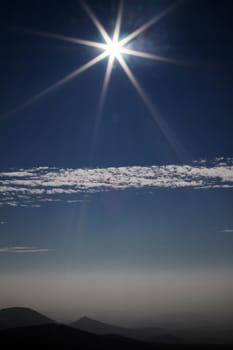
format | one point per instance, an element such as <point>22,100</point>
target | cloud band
<point>23,250</point>
<point>44,184</point>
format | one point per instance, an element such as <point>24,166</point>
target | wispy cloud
<point>228,231</point>
<point>23,250</point>
<point>32,187</point>
<point>3,222</point>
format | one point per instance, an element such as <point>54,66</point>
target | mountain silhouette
<point>21,316</point>
<point>24,328</point>
<point>61,337</point>
<point>146,334</point>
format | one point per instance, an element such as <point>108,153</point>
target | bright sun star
<point>114,49</point>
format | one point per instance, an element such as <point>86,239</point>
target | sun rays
<point>116,49</point>
<point>113,49</point>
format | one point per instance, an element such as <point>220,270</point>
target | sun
<point>113,49</point>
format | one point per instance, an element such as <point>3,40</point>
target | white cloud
<point>228,231</point>
<point>23,250</point>
<point>24,187</point>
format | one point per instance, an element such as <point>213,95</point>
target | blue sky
<point>127,195</point>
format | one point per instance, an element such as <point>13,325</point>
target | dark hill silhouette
<point>146,334</point>
<point>21,316</point>
<point>24,328</point>
<point>59,337</point>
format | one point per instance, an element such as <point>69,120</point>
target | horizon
<point>178,321</point>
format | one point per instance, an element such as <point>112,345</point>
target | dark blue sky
<point>177,218</point>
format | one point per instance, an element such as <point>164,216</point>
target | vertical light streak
<point>118,22</point>
<point>106,83</point>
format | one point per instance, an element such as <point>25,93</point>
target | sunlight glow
<point>113,49</point>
